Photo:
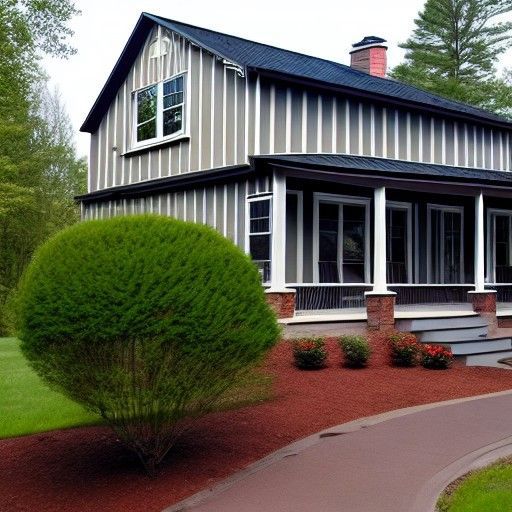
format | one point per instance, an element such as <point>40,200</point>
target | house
<point>350,190</point>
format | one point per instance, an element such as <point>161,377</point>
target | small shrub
<point>404,350</point>
<point>309,353</point>
<point>356,351</point>
<point>436,357</point>
<point>145,320</point>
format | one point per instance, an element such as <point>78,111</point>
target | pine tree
<point>454,49</point>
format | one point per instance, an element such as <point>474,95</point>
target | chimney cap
<point>368,41</point>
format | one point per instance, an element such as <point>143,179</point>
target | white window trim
<point>340,200</point>
<point>444,208</point>
<point>398,205</point>
<point>491,241</point>
<point>159,113</point>
<point>251,199</point>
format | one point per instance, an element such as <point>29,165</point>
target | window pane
<point>174,85</point>
<point>146,104</point>
<point>173,99</point>
<point>260,209</point>
<point>172,120</point>
<point>396,245</point>
<point>353,272</point>
<point>260,247</point>
<point>146,131</point>
<point>260,225</point>
<point>328,232</point>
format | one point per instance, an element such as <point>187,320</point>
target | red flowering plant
<point>309,353</point>
<point>436,357</point>
<point>404,350</point>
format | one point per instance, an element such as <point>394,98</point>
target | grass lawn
<point>27,405</point>
<point>485,490</point>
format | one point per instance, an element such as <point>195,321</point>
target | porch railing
<point>324,296</point>
<point>503,291</point>
<point>410,294</point>
<point>310,297</point>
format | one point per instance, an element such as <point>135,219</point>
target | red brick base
<point>380,310</point>
<point>484,303</point>
<point>283,303</point>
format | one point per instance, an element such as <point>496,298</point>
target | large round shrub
<point>145,320</point>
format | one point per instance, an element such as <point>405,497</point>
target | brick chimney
<point>370,56</point>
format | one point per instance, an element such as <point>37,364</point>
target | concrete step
<point>432,324</point>
<point>490,359</point>
<point>447,335</point>
<point>478,346</point>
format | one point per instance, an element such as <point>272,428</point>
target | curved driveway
<point>395,462</point>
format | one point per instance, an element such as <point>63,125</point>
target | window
<point>446,238</point>
<point>159,47</point>
<point>259,235</point>
<point>341,248</point>
<point>398,242</point>
<point>500,246</point>
<point>159,111</point>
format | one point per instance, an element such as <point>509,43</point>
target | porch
<point>414,247</point>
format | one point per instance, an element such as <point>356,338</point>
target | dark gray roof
<point>262,56</point>
<point>288,64</point>
<point>388,167</point>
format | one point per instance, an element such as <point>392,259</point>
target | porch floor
<point>359,314</point>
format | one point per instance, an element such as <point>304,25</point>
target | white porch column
<point>379,240</point>
<point>278,264</point>
<point>479,244</point>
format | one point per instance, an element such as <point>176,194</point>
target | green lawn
<point>485,490</point>
<point>26,404</point>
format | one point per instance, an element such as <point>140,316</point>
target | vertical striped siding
<point>215,112</point>
<point>230,117</point>
<point>220,206</point>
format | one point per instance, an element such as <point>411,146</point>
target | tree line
<point>40,172</point>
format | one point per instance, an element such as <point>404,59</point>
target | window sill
<point>155,145</point>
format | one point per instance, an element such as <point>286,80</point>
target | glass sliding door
<point>446,245</point>
<point>342,244</point>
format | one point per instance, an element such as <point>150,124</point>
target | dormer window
<point>159,111</point>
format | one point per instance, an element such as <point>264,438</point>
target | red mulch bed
<point>86,469</point>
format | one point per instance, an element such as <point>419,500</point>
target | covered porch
<point>371,239</point>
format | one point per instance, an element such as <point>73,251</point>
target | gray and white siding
<point>290,119</point>
<point>215,119</point>
<point>229,117</point>
<point>220,206</point>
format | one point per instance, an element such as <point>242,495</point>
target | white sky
<point>321,28</point>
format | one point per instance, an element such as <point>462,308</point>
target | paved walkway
<point>396,462</point>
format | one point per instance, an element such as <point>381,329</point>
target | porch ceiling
<point>375,167</point>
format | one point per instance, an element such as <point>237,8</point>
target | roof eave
<point>121,68</point>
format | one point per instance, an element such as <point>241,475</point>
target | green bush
<point>309,353</point>
<point>145,320</point>
<point>404,350</point>
<point>356,351</point>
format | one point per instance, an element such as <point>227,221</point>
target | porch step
<point>456,334</point>
<point>436,324</point>
<point>478,346</point>
<point>490,359</point>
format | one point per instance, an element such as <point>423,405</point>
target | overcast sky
<point>321,28</point>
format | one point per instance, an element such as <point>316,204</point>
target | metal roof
<point>387,167</point>
<point>287,64</point>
